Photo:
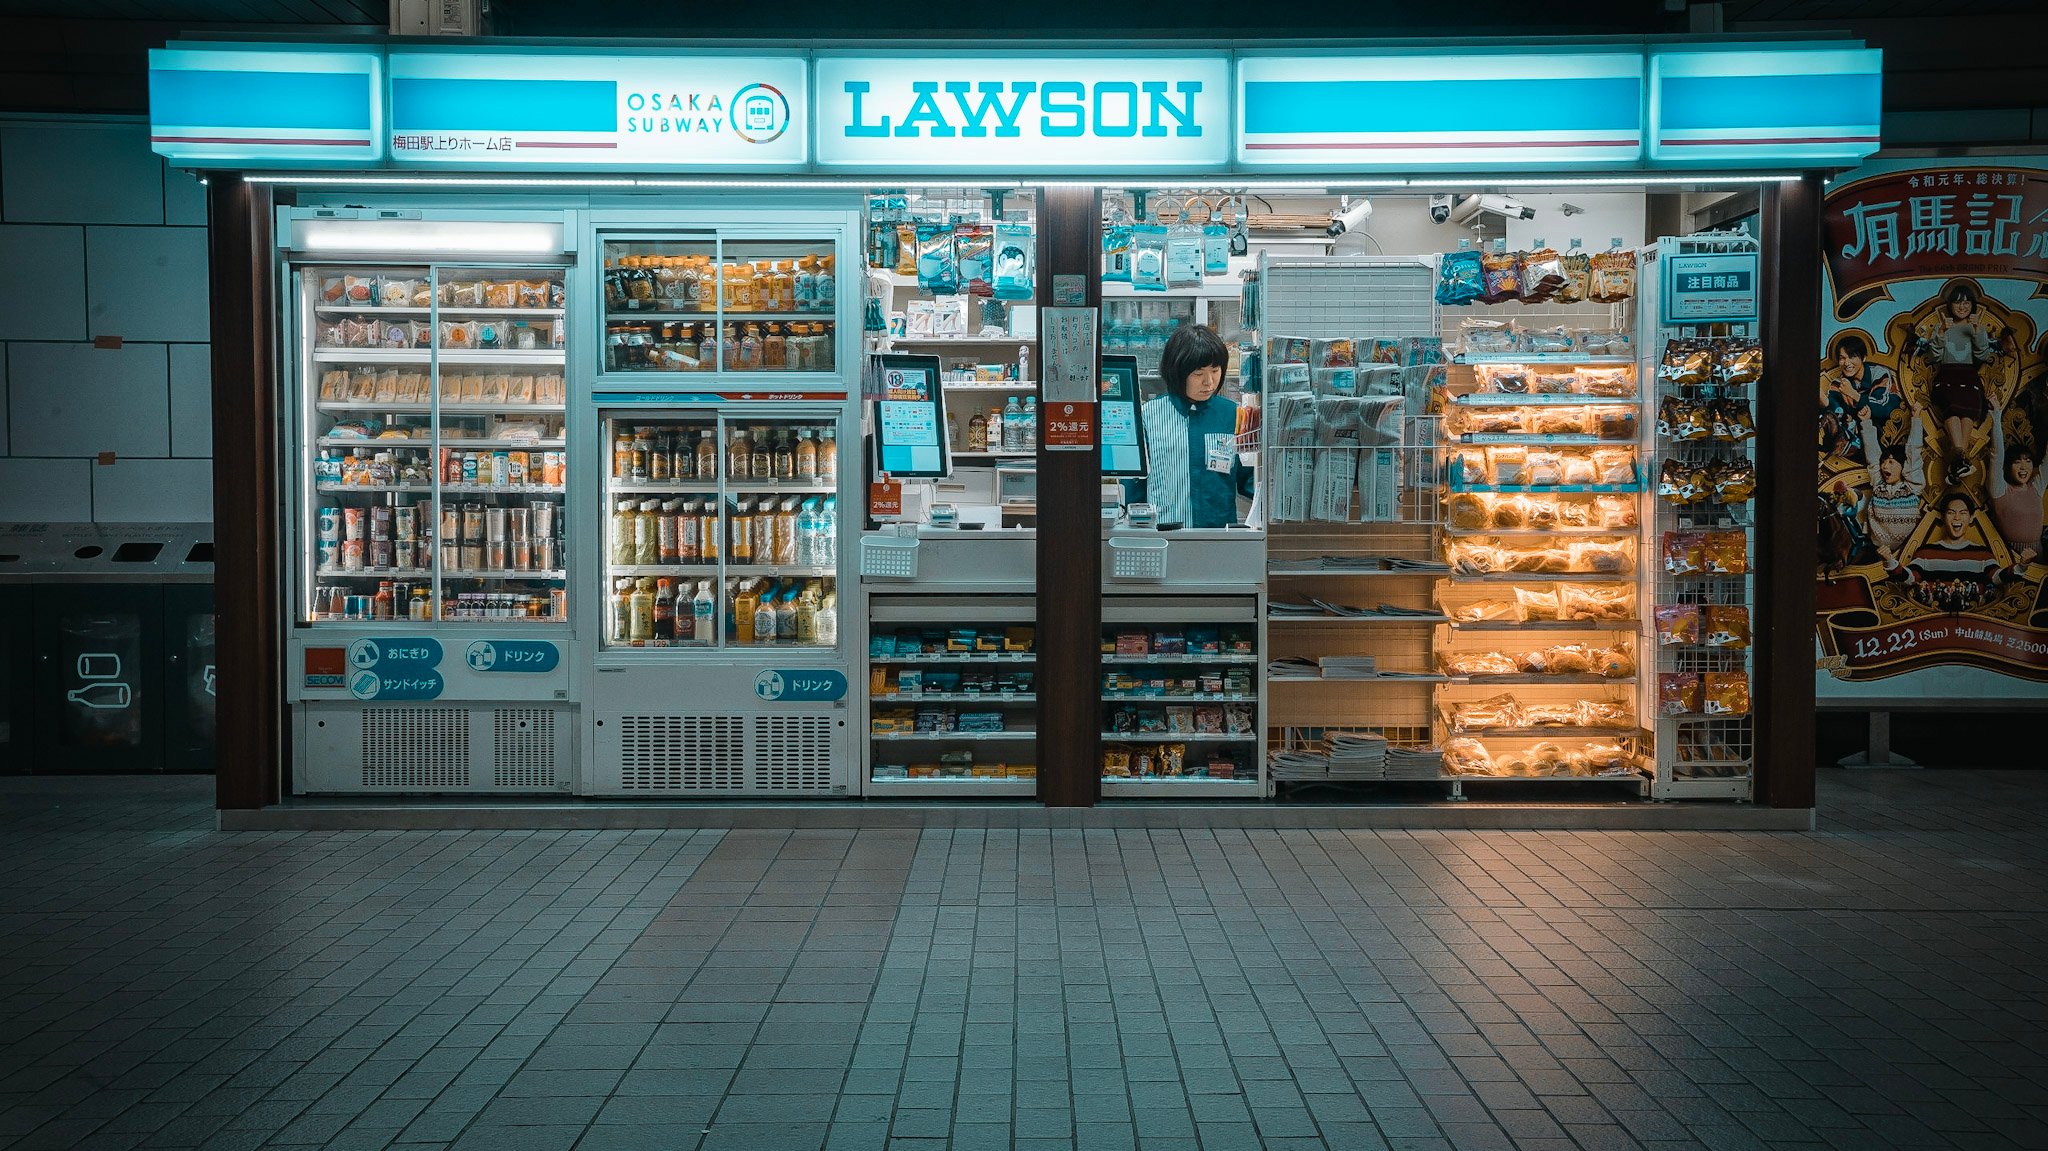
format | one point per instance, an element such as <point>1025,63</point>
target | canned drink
<point>352,523</point>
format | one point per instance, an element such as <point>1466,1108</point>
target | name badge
<point>1221,452</point>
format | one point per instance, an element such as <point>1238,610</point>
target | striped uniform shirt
<point>1178,480</point>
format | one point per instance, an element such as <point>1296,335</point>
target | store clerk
<point>1194,477</point>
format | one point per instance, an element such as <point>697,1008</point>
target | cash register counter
<point>949,626</point>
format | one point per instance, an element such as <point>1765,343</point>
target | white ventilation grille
<point>793,753</point>
<point>682,753</point>
<point>523,740</point>
<point>416,748</point>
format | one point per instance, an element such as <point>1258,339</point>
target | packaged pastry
<point>1677,623</point>
<point>1678,693</point>
<point>1614,423</point>
<point>1549,715</point>
<point>1507,465</point>
<point>394,293</point>
<point>1487,611</point>
<point>497,387</point>
<point>1466,511</point>
<point>1476,556</point>
<point>473,388</point>
<point>458,335</point>
<point>500,293</point>
<point>1617,662</point>
<point>1613,512</point>
<point>1734,482</point>
<point>1495,421</point>
<point>1467,757</point>
<point>1559,421</point>
<point>1537,560</point>
<point>1687,362</point>
<point>360,291</point>
<point>531,294</point>
<point>1548,341</point>
<point>1606,383</point>
<point>1685,553</point>
<point>1604,713</point>
<point>1494,711</point>
<point>1616,557</point>
<point>451,387</point>
<point>521,390</point>
<point>1741,361</point>
<point>1536,605</point>
<point>1570,659</point>
<point>1727,625</point>
<point>1487,336</point>
<point>1613,466</point>
<point>1501,277</point>
<point>1511,513</point>
<point>1605,756</point>
<point>466,293</point>
<point>1725,693</point>
<point>1680,482</point>
<point>1554,383</point>
<point>420,334</point>
<point>1509,381</point>
<point>1594,602</point>
<point>1578,276</point>
<point>1543,514</point>
<point>1477,663</point>
<point>1461,278</point>
<point>1614,277</point>
<point>1726,553</point>
<point>1579,470</point>
<point>1473,465</point>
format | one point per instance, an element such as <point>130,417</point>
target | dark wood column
<point>1069,533</point>
<point>245,494</point>
<point>1787,538</point>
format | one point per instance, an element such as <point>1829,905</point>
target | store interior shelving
<point>952,700</point>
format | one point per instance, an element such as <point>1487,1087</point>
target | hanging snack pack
<point>1116,254</point>
<point>937,269</point>
<point>1726,626</point>
<point>973,253</point>
<point>1462,279</point>
<point>1578,276</point>
<point>1678,623</point>
<point>1014,255</point>
<point>1725,693</point>
<point>1543,275</point>
<point>1687,362</point>
<point>1614,277</point>
<point>1501,277</point>
<point>1678,693</point>
<point>1148,258</point>
<point>1741,361</point>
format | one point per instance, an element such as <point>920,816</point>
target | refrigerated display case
<point>429,498</point>
<point>715,663</point>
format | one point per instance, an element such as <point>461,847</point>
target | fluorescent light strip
<point>1312,185</point>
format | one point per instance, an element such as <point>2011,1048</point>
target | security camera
<point>1471,208</point>
<point>1440,207</point>
<point>1350,215</point>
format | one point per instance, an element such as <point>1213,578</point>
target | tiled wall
<point>98,239</point>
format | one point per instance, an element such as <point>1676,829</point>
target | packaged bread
<point>1539,606</point>
<point>1494,711</point>
<point>1604,713</point>
<point>1508,465</point>
<point>451,387</point>
<point>1542,514</point>
<point>333,385</point>
<point>547,389</point>
<point>473,388</point>
<point>1595,602</point>
<point>1570,659</point>
<point>1476,663</point>
<point>521,390</point>
<point>1605,756</point>
<point>1537,560</point>
<point>386,389</point>
<point>1486,611</point>
<point>1606,383</point>
<point>1677,623</point>
<point>497,387</point>
<point>1579,470</point>
<point>1502,379</point>
<point>1726,625</point>
<point>1475,556</point>
<point>1543,759</point>
<point>1511,513</point>
<point>1545,469</point>
<point>1467,757</point>
<point>1617,662</point>
<point>1473,465</point>
<point>1573,515</point>
<point>1613,466</point>
<point>1616,556</point>
<point>1554,383</point>
<point>1725,693</point>
<point>1466,511</point>
<point>1550,715</point>
<point>1678,693</point>
<point>1560,421</point>
<point>1488,421</point>
<point>1614,512</point>
<point>419,334</point>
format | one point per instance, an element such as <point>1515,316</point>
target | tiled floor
<point>1880,983</point>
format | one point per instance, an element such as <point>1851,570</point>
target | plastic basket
<point>1139,558</point>
<point>888,557</point>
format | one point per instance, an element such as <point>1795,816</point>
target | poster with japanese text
<point>1933,425</point>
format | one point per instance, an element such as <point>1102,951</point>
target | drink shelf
<point>788,487</point>
<point>374,573</point>
<point>345,489</point>
<point>502,489</point>
<point>696,571</point>
<point>504,574</point>
<point>429,441</point>
<point>664,488</point>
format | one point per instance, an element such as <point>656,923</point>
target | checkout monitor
<point>1123,438</point>
<point>910,418</point>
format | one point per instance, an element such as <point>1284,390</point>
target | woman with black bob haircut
<point>1193,475</point>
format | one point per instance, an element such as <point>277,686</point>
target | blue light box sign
<point>246,105</point>
<point>1804,105</point>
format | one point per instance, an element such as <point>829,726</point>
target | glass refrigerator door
<point>706,304</point>
<point>369,425</point>
<point>723,530</point>
<point>499,387</point>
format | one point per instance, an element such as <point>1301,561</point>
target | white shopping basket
<point>888,557</point>
<point>1137,557</point>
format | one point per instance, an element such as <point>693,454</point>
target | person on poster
<point>1958,343</point>
<point>1954,569</point>
<point>1195,476</point>
<point>1898,481</point>
<point>2016,489</point>
<point>1854,393</point>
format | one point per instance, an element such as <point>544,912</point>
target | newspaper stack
<point>1298,767</point>
<point>1348,667</point>
<point>1415,763</point>
<point>1357,756</point>
<point>1293,667</point>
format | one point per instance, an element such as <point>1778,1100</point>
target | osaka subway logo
<point>760,113</point>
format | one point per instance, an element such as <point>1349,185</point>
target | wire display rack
<point>1701,754</point>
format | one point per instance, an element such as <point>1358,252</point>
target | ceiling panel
<point>192,12</point>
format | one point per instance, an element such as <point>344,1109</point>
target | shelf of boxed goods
<point>930,763</point>
<point>1153,731</point>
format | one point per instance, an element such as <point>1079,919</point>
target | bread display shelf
<point>1540,533</point>
<point>1571,730</point>
<point>1536,399</point>
<point>421,408</point>
<point>1585,359</point>
<point>1586,439</point>
<point>1631,489</point>
<point>1526,679</point>
<point>1549,625</point>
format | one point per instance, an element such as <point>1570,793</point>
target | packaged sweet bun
<point>1511,513</point>
<point>1604,756</point>
<point>1476,663</point>
<point>1487,611</point>
<point>1725,626</point>
<point>333,385</point>
<point>1614,512</point>
<point>1580,602</point>
<point>1606,383</point>
<point>1604,713</point>
<point>1494,711</point>
<point>1570,659</point>
<point>1467,757</point>
<point>1560,421</point>
<point>1545,469</point>
<point>1617,662</point>
<point>1474,465</point>
<point>1543,514</point>
<point>1534,662</point>
<point>1536,605</point>
<point>1546,758</point>
<point>1579,469</point>
<point>1508,465</point>
<point>1613,466</point>
<point>1550,715</point>
<point>1466,511</point>
<point>1677,623</point>
<point>1617,556</point>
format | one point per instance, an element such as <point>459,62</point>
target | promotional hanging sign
<point>662,112</point>
<point>1934,425</point>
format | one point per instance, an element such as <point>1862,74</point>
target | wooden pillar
<point>246,476</point>
<point>1787,536</point>
<point>1069,533</point>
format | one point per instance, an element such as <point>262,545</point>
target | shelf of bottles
<point>718,304</point>
<point>434,443</point>
<point>723,533</point>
